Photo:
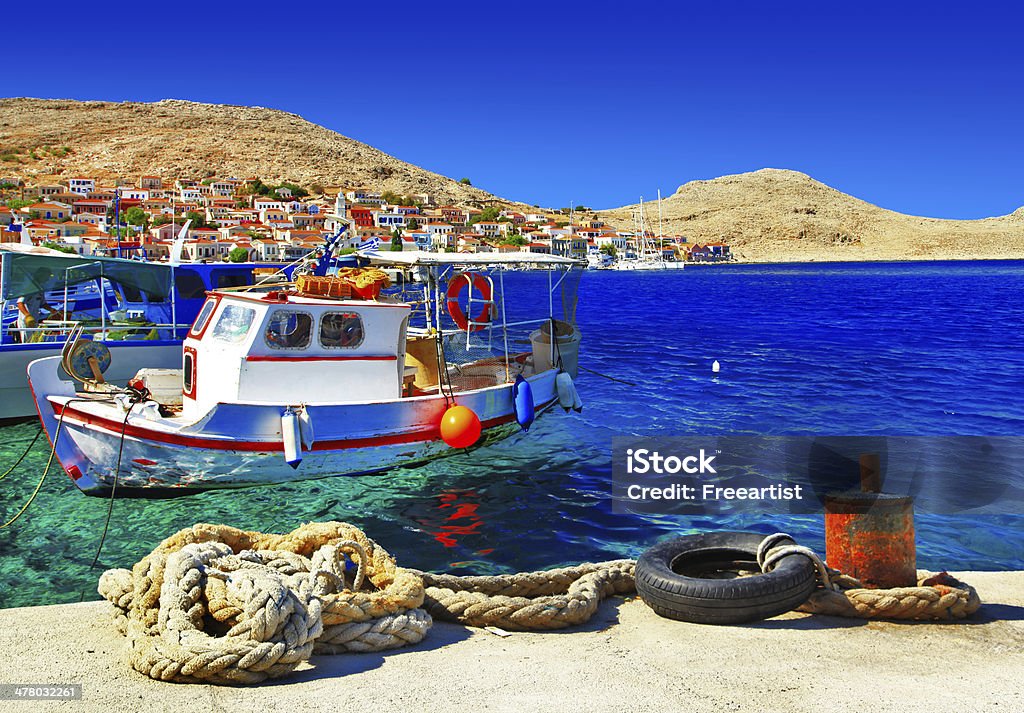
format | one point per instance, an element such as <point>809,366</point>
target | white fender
<point>306,429</point>
<point>563,383</point>
<point>291,436</point>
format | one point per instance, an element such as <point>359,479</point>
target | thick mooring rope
<point>529,601</point>
<point>935,598</point>
<point>216,604</point>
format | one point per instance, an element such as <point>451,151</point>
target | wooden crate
<point>315,286</point>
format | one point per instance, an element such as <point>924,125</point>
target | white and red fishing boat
<point>312,381</point>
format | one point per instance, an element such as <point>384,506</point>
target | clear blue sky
<point>915,107</point>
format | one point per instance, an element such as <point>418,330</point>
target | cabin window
<point>204,317</point>
<point>189,284</point>
<point>233,279</point>
<point>341,330</point>
<point>188,372</point>
<point>287,329</point>
<point>233,324</point>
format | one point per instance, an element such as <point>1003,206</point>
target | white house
<point>490,229</point>
<point>441,235</point>
<point>83,186</point>
<point>619,242</point>
<point>361,195</point>
<point>225,189</point>
<point>387,219</point>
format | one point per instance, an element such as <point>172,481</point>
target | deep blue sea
<point>820,349</point>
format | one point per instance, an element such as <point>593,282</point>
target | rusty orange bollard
<point>870,535</point>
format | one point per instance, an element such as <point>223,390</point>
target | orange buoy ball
<point>460,427</point>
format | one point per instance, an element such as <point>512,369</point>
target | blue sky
<point>917,107</point>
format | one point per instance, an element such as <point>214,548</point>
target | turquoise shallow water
<point>883,349</point>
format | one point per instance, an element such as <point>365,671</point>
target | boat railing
<point>56,331</point>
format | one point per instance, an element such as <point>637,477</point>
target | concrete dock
<point>625,659</point>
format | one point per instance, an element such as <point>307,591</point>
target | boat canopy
<point>26,273</point>
<point>417,257</point>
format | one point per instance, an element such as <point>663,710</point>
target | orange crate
<point>316,286</point>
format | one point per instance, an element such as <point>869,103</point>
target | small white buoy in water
<point>715,366</point>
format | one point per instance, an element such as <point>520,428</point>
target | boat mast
<point>661,232</point>
<point>643,231</point>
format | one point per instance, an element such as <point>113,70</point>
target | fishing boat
<point>335,375</point>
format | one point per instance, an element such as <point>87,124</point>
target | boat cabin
<point>280,347</point>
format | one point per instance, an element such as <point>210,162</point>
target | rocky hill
<point>779,215</point>
<point>41,139</point>
<point>771,214</point>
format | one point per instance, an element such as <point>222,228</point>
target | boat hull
<point>241,445</point>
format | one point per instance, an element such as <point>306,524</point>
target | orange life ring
<point>470,281</point>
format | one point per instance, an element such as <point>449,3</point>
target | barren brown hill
<point>181,139</point>
<point>779,215</point>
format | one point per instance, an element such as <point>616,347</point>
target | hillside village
<point>245,220</point>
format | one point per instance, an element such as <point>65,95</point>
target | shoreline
<point>858,260</point>
<point>625,658</point>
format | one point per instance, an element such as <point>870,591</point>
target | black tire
<point>668,579</point>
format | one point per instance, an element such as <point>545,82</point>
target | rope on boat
<point>215,604</point>
<point>46,470</point>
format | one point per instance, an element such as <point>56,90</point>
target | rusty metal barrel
<point>869,534</point>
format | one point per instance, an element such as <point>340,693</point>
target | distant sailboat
<point>649,257</point>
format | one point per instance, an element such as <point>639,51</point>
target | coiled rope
<point>220,605</point>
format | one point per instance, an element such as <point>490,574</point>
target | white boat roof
<point>419,257</point>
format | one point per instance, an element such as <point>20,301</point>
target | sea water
<point>837,349</point>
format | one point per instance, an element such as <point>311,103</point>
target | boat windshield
<point>234,324</point>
